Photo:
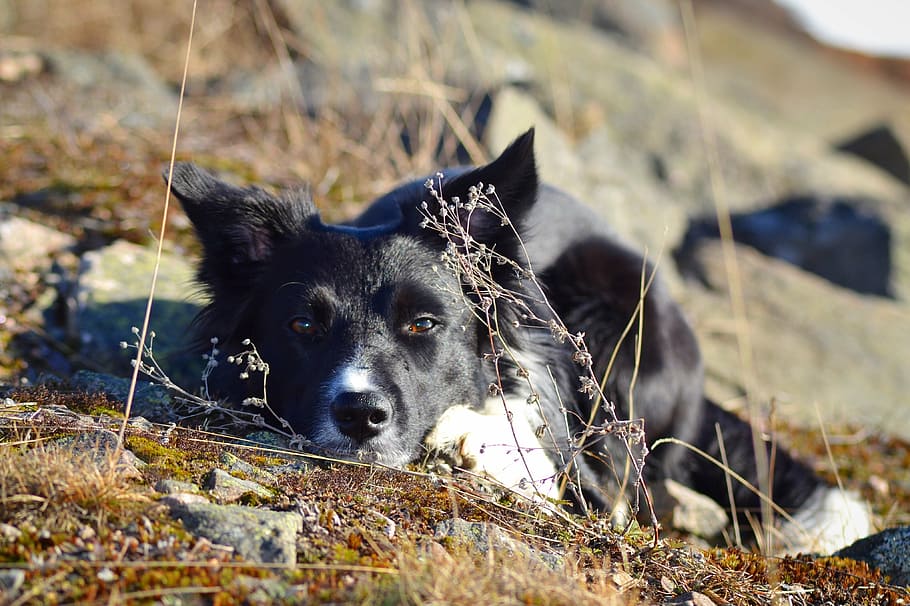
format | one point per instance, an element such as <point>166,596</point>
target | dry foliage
<point>61,486</point>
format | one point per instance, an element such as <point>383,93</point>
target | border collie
<point>378,351</point>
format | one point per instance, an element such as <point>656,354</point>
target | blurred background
<point>656,112</point>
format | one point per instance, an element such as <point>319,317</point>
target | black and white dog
<point>374,354</point>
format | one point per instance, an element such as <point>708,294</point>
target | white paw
<point>830,519</point>
<point>487,443</point>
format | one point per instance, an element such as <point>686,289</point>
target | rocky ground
<point>654,118</point>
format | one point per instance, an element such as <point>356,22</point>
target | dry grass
<point>61,486</point>
<point>434,576</point>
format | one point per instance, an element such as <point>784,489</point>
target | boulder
<point>881,147</point>
<point>887,551</point>
<point>813,344</point>
<point>841,239</point>
<point>110,300</point>
<point>26,245</point>
<point>258,535</point>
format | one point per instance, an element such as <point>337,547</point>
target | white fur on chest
<point>505,450</point>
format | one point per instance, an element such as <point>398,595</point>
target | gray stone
<point>101,444</point>
<point>687,510</point>
<point>270,590</point>
<point>483,536</point>
<point>267,439</point>
<point>111,299</point>
<point>235,464</point>
<point>887,551</point>
<point>150,400</point>
<point>8,532</point>
<point>132,92</point>
<point>812,344</point>
<point>514,111</point>
<point>690,598</point>
<point>839,238</point>
<point>176,486</point>
<point>11,581</point>
<point>28,245</point>
<point>258,535</point>
<point>226,488</point>
<point>179,499</point>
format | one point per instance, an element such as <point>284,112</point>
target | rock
<point>18,66</point>
<point>132,93</point>
<point>176,486</point>
<point>841,239</point>
<point>481,536</point>
<point>235,464</point>
<point>266,438</point>
<point>880,147</point>
<point>8,532</point>
<point>887,551</point>
<point>812,343</point>
<point>28,246</point>
<point>227,489</point>
<point>688,510</point>
<point>514,111</point>
<point>623,190</point>
<point>11,581</point>
<point>259,536</point>
<point>179,499</point>
<point>150,400</point>
<point>101,444</point>
<point>651,25</point>
<point>690,598</point>
<point>269,590</point>
<point>111,299</point>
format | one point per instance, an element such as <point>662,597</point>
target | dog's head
<point>366,337</point>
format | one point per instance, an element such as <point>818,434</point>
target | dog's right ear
<point>239,228</point>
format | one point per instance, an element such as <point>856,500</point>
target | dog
<point>377,351</point>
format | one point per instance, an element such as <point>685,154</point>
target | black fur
<point>331,308</point>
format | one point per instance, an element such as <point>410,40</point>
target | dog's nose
<point>361,415</point>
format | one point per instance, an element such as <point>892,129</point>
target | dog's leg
<point>489,443</point>
<point>823,517</point>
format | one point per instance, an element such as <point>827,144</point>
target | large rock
<point>881,147</point>
<point>151,401</point>
<point>514,111</point>
<point>132,93</point>
<point>258,535</point>
<point>812,343</point>
<point>111,299</point>
<point>888,551</point>
<point>28,245</point>
<point>481,537</point>
<point>840,239</point>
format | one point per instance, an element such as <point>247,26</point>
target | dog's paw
<point>485,443</point>
<point>448,437</point>
<point>830,519</point>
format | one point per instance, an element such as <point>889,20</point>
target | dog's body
<point>374,354</point>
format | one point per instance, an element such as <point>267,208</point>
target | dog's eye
<point>306,327</point>
<point>419,325</point>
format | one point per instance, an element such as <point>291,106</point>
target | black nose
<point>361,415</point>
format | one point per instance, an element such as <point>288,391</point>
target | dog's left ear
<point>513,180</point>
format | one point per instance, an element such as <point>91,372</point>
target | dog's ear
<point>239,228</point>
<point>512,182</point>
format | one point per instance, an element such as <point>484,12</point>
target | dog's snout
<point>361,415</point>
